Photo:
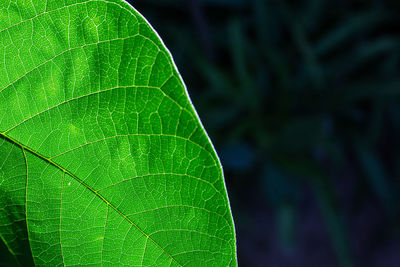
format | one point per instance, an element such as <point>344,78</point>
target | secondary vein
<point>25,148</point>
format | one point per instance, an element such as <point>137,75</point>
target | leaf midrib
<point>25,148</point>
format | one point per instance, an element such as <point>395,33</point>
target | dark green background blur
<point>301,99</point>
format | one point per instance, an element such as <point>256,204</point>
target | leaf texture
<point>103,160</point>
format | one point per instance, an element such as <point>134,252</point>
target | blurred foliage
<point>295,94</point>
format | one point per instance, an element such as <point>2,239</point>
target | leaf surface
<point>103,159</point>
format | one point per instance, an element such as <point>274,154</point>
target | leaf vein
<point>23,147</point>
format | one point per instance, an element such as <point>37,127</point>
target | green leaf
<point>103,159</point>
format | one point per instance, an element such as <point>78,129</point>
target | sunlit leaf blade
<point>103,158</point>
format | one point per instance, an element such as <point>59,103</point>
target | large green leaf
<point>103,159</point>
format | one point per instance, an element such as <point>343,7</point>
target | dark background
<point>301,99</point>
